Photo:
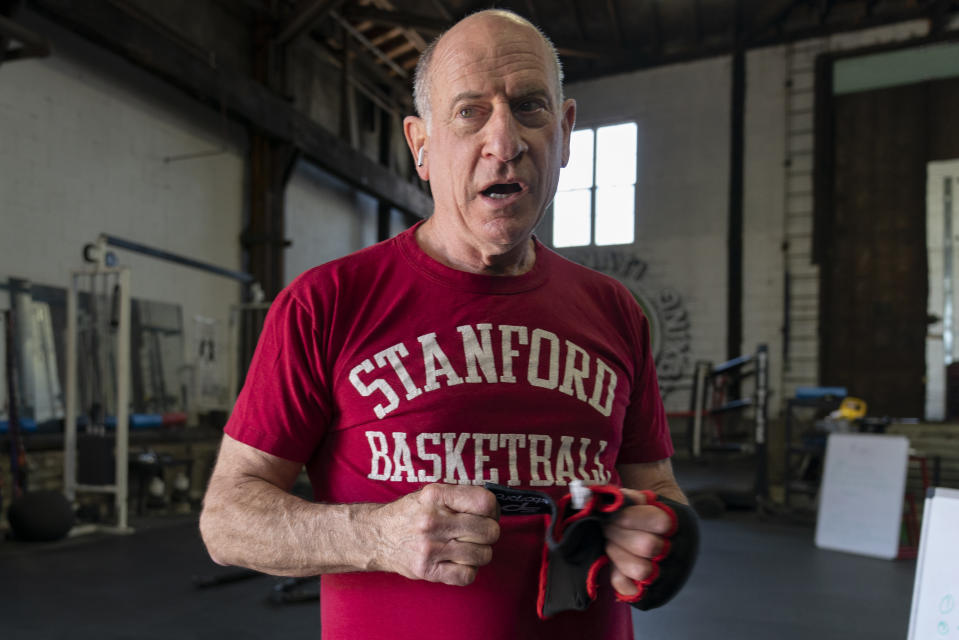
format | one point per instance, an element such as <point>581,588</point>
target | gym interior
<point>781,181</point>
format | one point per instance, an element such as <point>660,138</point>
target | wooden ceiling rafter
<point>616,24</point>
<point>308,16</point>
<point>698,22</point>
<point>385,36</point>
<point>657,40</point>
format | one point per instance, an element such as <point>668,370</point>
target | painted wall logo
<point>669,322</point>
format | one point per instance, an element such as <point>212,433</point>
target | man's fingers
<point>466,527</point>
<point>631,566</point>
<point>458,575</point>
<point>467,514</point>
<point>466,553</point>
<point>623,585</point>
<point>457,564</point>
<point>638,543</point>
<point>643,517</point>
<point>441,533</point>
<point>463,499</point>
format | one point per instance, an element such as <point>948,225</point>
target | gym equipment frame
<point>718,379</point>
<point>120,486</point>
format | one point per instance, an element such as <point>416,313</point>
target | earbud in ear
<point>419,157</point>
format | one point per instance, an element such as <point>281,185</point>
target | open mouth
<point>503,190</point>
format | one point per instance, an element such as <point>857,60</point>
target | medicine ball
<point>40,516</point>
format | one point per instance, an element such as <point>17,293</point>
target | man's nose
<point>504,141</point>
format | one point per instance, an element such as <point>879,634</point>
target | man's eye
<point>467,112</point>
<point>530,106</point>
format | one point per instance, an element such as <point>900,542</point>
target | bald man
<point>461,352</point>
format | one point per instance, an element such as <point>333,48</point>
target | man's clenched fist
<point>441,533</point>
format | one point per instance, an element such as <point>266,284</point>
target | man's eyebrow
<point>466,95</point>
<point>532,93</point>
<point>525,94</point>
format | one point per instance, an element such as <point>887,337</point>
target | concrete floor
<point>756,579</point>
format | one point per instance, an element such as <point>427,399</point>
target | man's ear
<point>569,121</point>
<point>414,128</point>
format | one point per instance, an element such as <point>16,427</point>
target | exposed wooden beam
<point>427,24</point>
<point>825,7</point>
<point>576,49</point>
<point>242,96</point>
<point>657,28</point>
<point>591,52</point>
<point>939,16</point>
<point>443,11</point>
<point>26,44</point>
<point>612,12</point>
<point>259,8</point>
<point>376,51</point>
<point>531,10</point>
<point>577,19</point>
<point>386,36</point>
<point>772,15</point>
<point>371,74</point>
<point>698,11</point>
<point>307,18</point>
<point>412,34</point>
<point>397,51</point>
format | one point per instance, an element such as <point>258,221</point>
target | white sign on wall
<point>863,484</point>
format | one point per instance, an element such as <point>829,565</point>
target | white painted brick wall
<point>82,153</point>
<point>325,219</point>
<point>683,171</point>
<point>682,201</point>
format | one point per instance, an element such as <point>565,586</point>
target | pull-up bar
<point>107,240</point>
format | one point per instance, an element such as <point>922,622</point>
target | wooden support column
<point>349,128</point>
<point>386,159</point>
<point>734,309</point>
<point>271,162</point>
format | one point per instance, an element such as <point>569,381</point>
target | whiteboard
<point>935,596</point>
<point>860,501</point>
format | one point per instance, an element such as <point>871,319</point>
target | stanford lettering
<point>554,364</point>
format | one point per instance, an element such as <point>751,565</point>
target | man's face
<point>498,135</point>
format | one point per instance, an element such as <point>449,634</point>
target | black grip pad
<point>673,566</point>
<point>575,552</point>
<point>575,547</point>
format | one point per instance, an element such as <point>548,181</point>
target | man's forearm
<point>653,476</point>
<point>441,533</point>
<point>254,524</point>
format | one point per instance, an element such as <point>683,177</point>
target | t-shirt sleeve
<point>646,436</point>
<point>283,408</point>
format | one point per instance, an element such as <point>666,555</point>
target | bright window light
<point>571,218</point>
<point>578,173</point>
<point>616,155</point>
<point>614,215</point>
<point>596,197</point>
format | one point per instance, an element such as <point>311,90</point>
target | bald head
<point>422,81</point>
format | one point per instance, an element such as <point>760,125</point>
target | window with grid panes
<point>596,197</point>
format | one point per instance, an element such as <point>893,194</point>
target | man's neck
<point>463,256</point>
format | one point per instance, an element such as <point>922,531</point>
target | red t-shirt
<point>386,370</point>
